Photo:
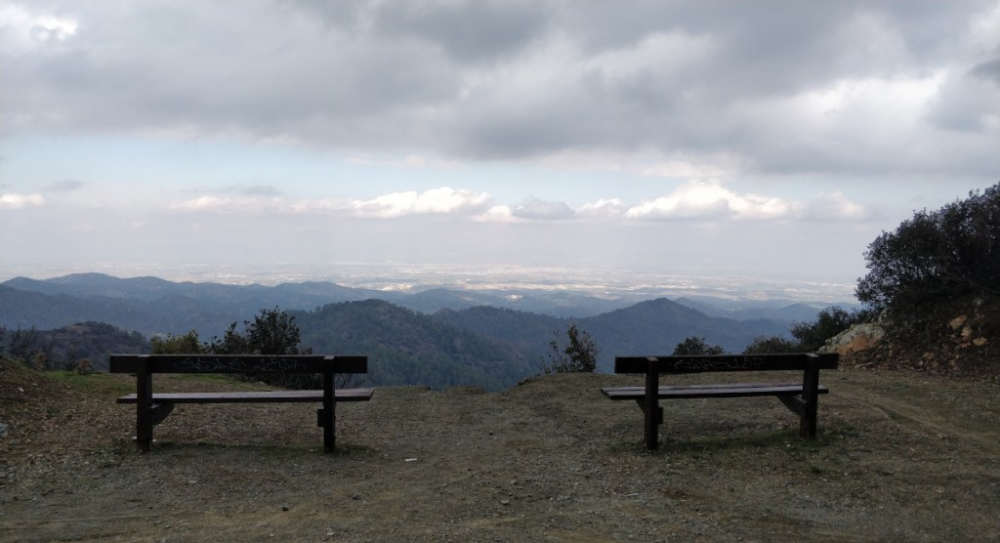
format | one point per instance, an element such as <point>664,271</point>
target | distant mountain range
<point>136,293</point>
<point>438,337</point>
<point>650,327</point>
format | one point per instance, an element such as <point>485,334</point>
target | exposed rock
<point>980,341</point>
<point>957,322</point>
<point>859,337</point>
<point>966,332</point>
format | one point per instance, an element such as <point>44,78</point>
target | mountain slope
<point>65,347</point>
<point>405,347</point>
<point>652,327</point>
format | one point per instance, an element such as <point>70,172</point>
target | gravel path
<point>901,457</point>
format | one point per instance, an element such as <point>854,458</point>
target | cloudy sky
<point>768,139</point>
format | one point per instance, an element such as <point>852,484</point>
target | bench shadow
<point>786,439</point>
<point>346,450</point>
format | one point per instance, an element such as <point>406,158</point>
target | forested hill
<point>405,347</point>
<point>652,327</point>
<point>145,298</point>
<point>485,346</point>
<point>68,346</point>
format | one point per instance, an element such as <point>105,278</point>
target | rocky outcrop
<point>857,338</point>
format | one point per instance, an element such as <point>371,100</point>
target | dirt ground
<point>902,457</point>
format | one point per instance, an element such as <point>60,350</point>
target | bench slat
<point>735,390</point>
<point>237,363</point>
<point>276,396</point>
<point>722,363</point>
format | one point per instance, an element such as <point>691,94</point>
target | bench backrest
<point>726,362</point>
<point>237,363</point>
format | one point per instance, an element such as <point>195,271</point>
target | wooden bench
<point>801,398</point>
<point>153,408</point>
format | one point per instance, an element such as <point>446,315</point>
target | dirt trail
<point>901,457</point>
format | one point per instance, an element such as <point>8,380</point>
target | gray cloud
<point>468,31</point>
<point>66,185</point>
<point>839,88</point>
<point>988,70</point>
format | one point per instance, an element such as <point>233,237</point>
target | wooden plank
<point>651,407</point>
<point>709,391</point>
<point>181,363</point>
<point>144,410</point>
<point>810,389</point>
<point>727,362</point>
<point>277,396</point>
<point>329,413</point>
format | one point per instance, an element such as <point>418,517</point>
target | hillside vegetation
<point>410,348</point>
<point>83,346</point>
<point>652,327</point>
<point>933,285</point>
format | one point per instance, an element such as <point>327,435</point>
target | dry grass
<point>901,457</point>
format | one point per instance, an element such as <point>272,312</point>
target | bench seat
<point>272,396</point>
<point>734,390</point>
<point>153,408</point>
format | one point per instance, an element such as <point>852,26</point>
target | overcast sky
<point>769,139</point>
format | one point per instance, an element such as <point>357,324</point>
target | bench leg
<point>144,410</point>
<point>810,396</point>
<point>160,411</point>
<point>328,416</point>
<point>641,402</point>
<point>651,407</point>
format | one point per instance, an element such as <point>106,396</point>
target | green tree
<point>232,342</point>
<point>950,252</point>
<point>579,355</point>
<point>273,332</point>
<point>829,322</point>
<point>773,344</point>
<point>184,344</point>
<point>696,345</point>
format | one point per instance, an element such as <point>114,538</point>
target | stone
<point>957,322</point>
<point>966,332</point>
<point>859,337</point>
<point>978,342</point>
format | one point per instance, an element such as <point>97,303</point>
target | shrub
<point>829,322</point>
<point>696,345</point>
<point>580,355</point>
<point>773,344</point>
<point>184,344</point>
<point>953,251</point>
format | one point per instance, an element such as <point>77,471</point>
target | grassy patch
<point>97,383</point>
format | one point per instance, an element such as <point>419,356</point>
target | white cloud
<point>703,200</point>
<point>434,201</point>
<point>709,200</point>
<point>604,207</point>
<point>443,200</point>
<point>22,29</point>
<point>13,200</point>
<point>833,207</point>
<point>499,213</point>
<point>230,204</point>
<point>695,200</point>
<point>535,209</point>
